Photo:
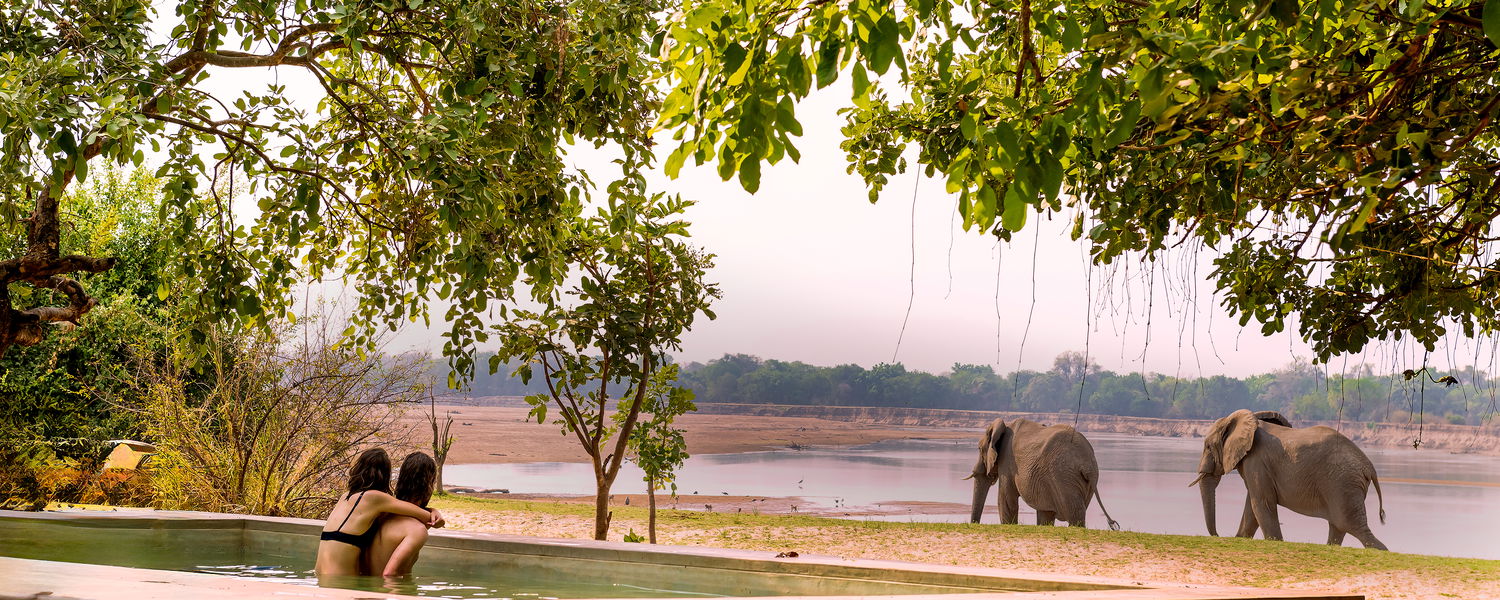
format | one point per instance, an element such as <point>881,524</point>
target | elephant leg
<point>1335,535</point>
<point>1079,522</point>
<point>1366,537</point>
<point>1265,515</point>
<point>1248,525</point>
<point>1046,517</point>
<point>1009,500</point>
<point>1348,515</point>
<point>1356,525</point>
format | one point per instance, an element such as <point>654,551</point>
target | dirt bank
<point>500,433</point>
<point>738,505</point>
<point>1463,439</point>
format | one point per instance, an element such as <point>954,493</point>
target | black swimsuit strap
<point>351,511</point>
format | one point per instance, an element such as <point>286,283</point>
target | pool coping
<point>980,579</point>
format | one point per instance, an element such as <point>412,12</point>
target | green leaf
<point>66,142</point>
<point>1014,217</point>
<point>967,126</point>
<point>786,116</point>
<point>674,162</point>
<point>1006,135</point>
<point>797,75</point>
<point>750,174</point>
<point>1285,12</point>
<point>828,63</point>
<point>1130,114</point>
<point>1072,34</point>
<point>1492,21</point>
<point>1365,212</point>
<point>734,58</point>
<point>861,83</point>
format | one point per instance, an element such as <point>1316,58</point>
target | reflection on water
<point>1143,482</point>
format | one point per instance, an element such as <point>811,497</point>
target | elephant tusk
<point>1198,479</point>
<point>971,476</point>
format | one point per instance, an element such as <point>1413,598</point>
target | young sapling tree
<point>442,439</point>
<point>639,288</point>
<point>656,446</point>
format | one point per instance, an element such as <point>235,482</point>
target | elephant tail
<point>1381,497</point>
<point>1113,524</point>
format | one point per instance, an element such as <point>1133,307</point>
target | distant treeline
<point>1301,390</point>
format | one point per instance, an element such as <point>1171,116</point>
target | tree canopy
<point>1341,156</point>
<point>430,166</point>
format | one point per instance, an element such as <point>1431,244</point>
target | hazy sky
<point>812,271</point>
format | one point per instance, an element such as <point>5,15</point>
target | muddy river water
<point>1436,502</point>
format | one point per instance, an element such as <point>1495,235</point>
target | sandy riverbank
<point>501,434</point>
<point>1125,555</point>
<point>739,505</point>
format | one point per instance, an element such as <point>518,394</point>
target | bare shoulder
<point>378,496</point>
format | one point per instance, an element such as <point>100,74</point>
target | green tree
<point>71,385</point>
<point>655,445</point>
<point>1340,156</point>
<point>640,287</point>
<point>431,165</point>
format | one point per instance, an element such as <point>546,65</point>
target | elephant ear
<point>1238,438</point>
<point>994,435</point>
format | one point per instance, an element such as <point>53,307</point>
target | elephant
<point>1315,471</point>
<point>1051,467</point>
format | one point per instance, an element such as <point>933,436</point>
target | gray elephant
<point>1051,467</point>
<point>1315,471</point>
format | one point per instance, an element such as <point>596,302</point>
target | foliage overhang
<point>432,166</point>
<point>1340,156</point>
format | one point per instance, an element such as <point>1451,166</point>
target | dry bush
<point>274,420</point>
<point>33,474</point>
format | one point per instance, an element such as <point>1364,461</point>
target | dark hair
<point>414,483</point>
<point>371,471</point>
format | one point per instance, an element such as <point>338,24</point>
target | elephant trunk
<point>1208,485</point>
<point>982,485</point>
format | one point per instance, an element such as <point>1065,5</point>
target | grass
<point>1203,559</point>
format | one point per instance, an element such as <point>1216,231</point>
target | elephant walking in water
<point>1315,471</point>
<point>1051,467</point>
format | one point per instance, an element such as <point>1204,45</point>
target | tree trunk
<point>438,482</point>
<point>651,497</point>
<point>601,508</point>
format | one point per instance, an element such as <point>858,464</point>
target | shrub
<point>271,432</point>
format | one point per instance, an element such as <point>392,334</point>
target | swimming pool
<point>476,565</point>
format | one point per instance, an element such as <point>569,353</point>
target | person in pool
<point>359,510</point>
<point>398,538</point>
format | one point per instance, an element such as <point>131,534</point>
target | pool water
<point>289,558</point>
<point>461,566</point>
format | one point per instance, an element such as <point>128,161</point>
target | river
<point>1436,503</point>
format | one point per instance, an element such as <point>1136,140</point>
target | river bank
<point>499,432</point>
<point>1136,556</point>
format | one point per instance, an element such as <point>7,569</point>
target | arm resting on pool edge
<point>389,504</point>
<point>405,555</point>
